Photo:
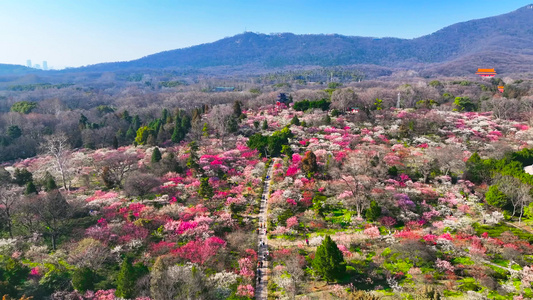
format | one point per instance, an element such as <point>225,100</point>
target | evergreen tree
<point>30,188</point>
<point>136,122</point>
<point>329,261</point>
<point>115,142</point>
<point>164,116</point>
<point>192,161</point>
<point>374,212</point>
<point>49,182</point>
<point>295,121</point>
<point>156,155</point>
<point>83,279</point>
<point>233,125</point>
<point>22,177</point>
<point>476,170</point>
<point>186,123</point>
<point>82,123</point>
<point>14,132</point>
<point>130,135</point>
<point>205,190</point>
<point>237,109</point>
<point>126,117</point>
<point>265,125</point>
<point>327,120</point>
<point>495,197</point>
<point>126,280</point>
<point>256,124</point>
<point>179,131</point>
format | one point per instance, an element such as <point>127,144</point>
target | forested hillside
<point>501,42</point>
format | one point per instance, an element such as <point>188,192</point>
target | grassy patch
<point>497,230</point>
<point>448,293</point>
<point>467,261</point>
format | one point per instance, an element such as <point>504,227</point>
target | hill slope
<point>485,39</point>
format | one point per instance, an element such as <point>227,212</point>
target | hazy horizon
<point>73,34</point>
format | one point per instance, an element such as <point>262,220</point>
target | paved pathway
<point>261,291</point>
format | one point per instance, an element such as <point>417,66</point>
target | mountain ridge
<point>487,39</point>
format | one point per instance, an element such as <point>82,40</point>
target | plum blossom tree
<point>116,165</point>
<point>358,176</point>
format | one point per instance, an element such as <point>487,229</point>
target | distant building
<point>501,88</point>
<point>352,110</point>
<point>486,72</point>
<point>37,66</point>
<point>45,65</point>
<point>28,63</point>
<point>224,89</point>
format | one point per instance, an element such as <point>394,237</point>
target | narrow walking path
<point>261,291</point>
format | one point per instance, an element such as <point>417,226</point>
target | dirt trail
<point>261,291</point>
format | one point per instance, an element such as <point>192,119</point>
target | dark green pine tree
<point>295,121</point>
<point>164,116</point>
<point>186,123</point>
<point>233,125</point>
<point>115,142</point>
<point>30,188</point>
<point>205,190</point>
<point>327,120</point>
<point>83,279</point>
<point>126,117</point>
<point>49,182</point>
<point>130,135</point>
<point>265,125</point>
<point>237,109</point>
<point>329,261</point>
<point>156,155</point>
<point>177,134</point>
<point>126,280</point>
<point>373,212</point>
<point>136,122</point>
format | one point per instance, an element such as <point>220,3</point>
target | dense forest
<point>145,186</point>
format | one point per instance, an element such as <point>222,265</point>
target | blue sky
<point>81,32</point>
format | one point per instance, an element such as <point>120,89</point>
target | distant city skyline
<point>83,32</point>
<point>37,66</point>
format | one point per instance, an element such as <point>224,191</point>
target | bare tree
<point>294,264</point>
<point>448,157</point>
<point>517,193</point>
<point>9,198</point>
<point>140,184</point>
<point>116,165</point>
<point>48,214</point>
<point>57,146</point>
<point>219,117</point>
<point>343,99</point>
<point>359,174</point>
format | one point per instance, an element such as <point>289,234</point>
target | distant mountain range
<point>504,42</point>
